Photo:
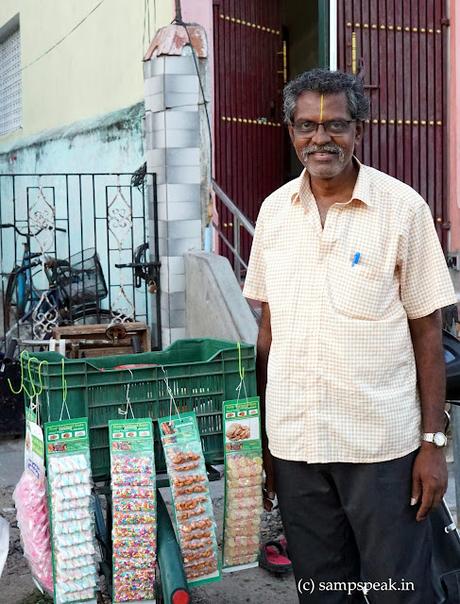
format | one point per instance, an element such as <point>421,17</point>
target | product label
<point>70,436</point>
<point>34,448</point>
<point>242,425</point>
<point>131,435</point>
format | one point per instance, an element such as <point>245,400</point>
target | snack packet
<point>72,526</point>
<point>134,510</point>
<point>193,512</point>
<point>243,483</point>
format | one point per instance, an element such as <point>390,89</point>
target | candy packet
<point>243,483</point>
<point>72,526</point>
<point>30,499</point>
<point>134,510</point>
<point>193,511</point>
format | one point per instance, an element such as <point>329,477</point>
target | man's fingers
<point>416,490</point>
<point>426,505</point>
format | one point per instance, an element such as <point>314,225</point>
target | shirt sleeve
<point>254,285</point>
<point>425,280</point>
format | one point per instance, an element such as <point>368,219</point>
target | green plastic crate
<point>201,374</point>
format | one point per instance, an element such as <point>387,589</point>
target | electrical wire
<point>64,37</point>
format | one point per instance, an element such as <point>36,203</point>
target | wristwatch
<point>439,439</point>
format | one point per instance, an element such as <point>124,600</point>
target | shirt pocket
<point>359,291</point>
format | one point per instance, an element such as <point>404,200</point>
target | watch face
<point>440,439</point>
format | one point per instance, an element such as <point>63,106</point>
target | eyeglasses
<point>332,127</point>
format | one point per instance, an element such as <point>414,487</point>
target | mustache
<point>328,148</point>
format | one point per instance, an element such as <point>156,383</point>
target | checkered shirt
<point>341,383</point>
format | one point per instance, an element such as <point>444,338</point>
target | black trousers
<point>348,523</point>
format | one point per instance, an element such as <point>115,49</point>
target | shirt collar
<point>301,191</point>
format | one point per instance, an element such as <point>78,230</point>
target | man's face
<point>324,154</point>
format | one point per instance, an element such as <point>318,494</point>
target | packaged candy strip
<point>127,595</point>
<point>138,505</point>
<point>134,509</point>
<point>130,492</point>
<point>194,516</point>
<point>70,552</point>
<point>125,564</point>
<point>142,531</point>
<point>243,483</point>
<point>63,465</point>
<point>138,480</point>
<point>136,552</point>
<point>135,464</point>
<point>74,506</point>
<point>70,479</point>
<point>147,541</point>
<point>129,518</point>
<point>32,515</point>
<point>77,562</point>
<point>72,526</point>
<point>77,596</point>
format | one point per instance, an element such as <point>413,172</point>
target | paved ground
<point>251,586</point>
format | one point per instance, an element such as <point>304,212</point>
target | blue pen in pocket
<point>356,258</point>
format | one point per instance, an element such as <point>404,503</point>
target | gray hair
<point>324,81</point>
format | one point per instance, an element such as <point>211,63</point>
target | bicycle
<point>75,289</point>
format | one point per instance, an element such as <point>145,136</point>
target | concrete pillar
<point>177,150</point>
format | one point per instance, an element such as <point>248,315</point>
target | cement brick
<point>171,283</point>
<point>173,301</point>
<point>181,99</point>
<point>175,193</point>
<point>155,158</point>
<point>183,157</point>
<point>182,120</point>
<point>180,65</point>
<point>182,84</point>
<point>176,138</point>
<point>192,107</point>
<point>175,264</point>
<point>154,85</point>
<point>174,319</point>
<point>160,175</point>
<point>183,210</point>
<point>184,228</point>
<point>158,121</point>
<point>180,246</point>
<point>155,102</point>
<point>176,333</point>
<point>148,141</point>
<point>184,175</point>
<point>155,66</point>
<point>165,334</point>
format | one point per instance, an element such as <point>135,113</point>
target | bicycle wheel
<point>16,298</point>
<point>94,315</point>
<point>15,306</point>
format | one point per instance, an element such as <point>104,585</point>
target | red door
<point>400,48</point>
<point>248,82</point>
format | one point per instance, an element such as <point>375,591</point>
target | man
<point>351,276</point>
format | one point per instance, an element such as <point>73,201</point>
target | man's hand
<point>269,487</point>
<point>429,479</point>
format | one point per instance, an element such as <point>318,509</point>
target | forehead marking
<point>321,102</point>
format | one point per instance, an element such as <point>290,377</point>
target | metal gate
<point>248,51</point>
<point>74,217</point>
<point>400,49</point>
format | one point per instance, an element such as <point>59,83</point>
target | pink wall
<point>200,11</point>
<point>454,127</point>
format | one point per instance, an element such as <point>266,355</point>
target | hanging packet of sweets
<point>243,483</point>
<point>72,523</point>
<point>193,512</point>
<point>30,499</point>
<point>134,510</point>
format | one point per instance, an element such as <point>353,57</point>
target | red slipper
<point>272,559</point>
